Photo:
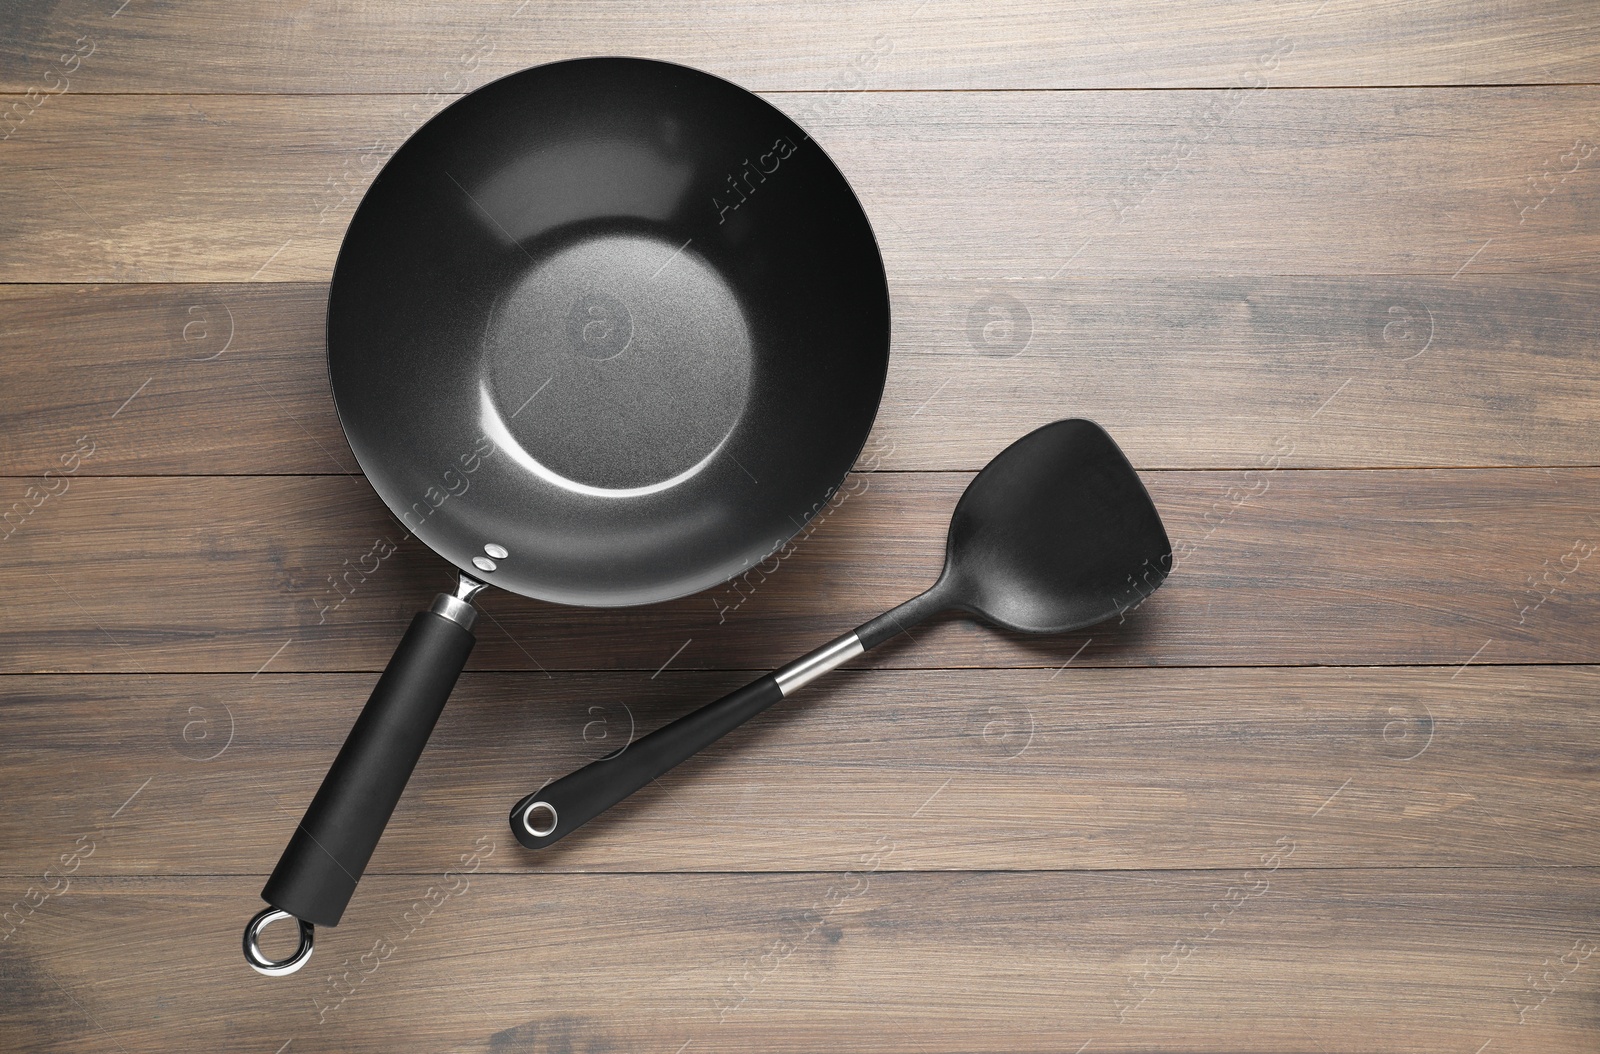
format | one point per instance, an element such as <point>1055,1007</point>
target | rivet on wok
<point>499,552</point>
<point>483,563</point>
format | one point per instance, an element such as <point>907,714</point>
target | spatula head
<point>1055,534</point>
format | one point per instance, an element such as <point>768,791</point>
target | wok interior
<point>618,319</point>
<point>1056,533</point>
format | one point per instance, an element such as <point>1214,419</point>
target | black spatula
<point>1055,534</point>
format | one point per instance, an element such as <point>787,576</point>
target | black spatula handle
<point>562,807</point>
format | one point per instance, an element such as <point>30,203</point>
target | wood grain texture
<point>301,46</point>
<point>194,380</point>
<point>147,575</point>
<point>1331,788</point>
<point>1395,960</point>
<point>1196,372</point>
<point>967,770</point>
<point>966,185</point>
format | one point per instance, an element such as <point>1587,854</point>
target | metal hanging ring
<point>539,819</point>
<point>276,967</point>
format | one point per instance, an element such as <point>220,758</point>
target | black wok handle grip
<point>560,808</point>
<point>317,873</point>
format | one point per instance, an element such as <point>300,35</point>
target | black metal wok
<point>601,333</point>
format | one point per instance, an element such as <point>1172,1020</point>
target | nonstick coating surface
<point>619,318</point>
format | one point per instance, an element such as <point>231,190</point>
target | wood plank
<point>155,574</point>
<point>992,770</point>
<point>960,185</point>
<point>1435,960</point>
<point>304,46</point>
<point>1202,372</point>
<point>186,380</point>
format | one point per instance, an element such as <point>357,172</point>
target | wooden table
<point>1327,270</point>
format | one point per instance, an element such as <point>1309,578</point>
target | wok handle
<point>319,869</point>
<point>558,809</point>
